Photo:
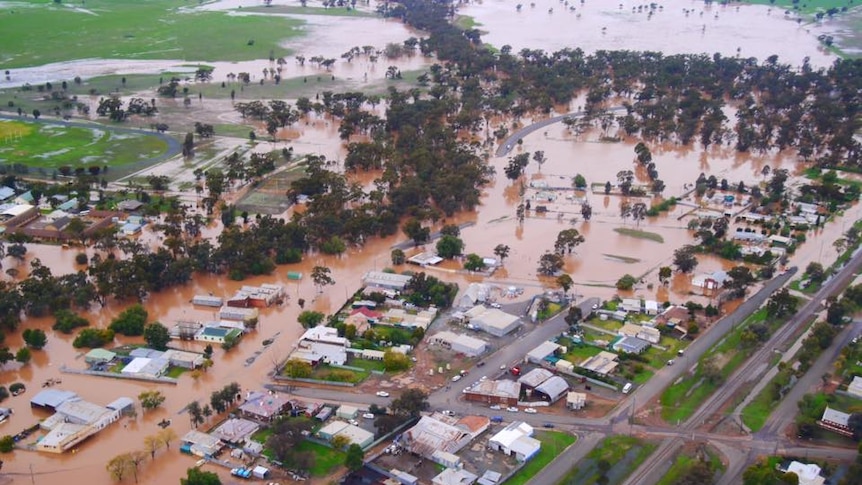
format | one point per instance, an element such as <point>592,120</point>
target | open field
<point>46,32</point>
<point>292,10</point>
<point>685,461</point>
<point>50,146</point>
<point>808,6</point>
<point>623,453</point>
<point>553,443</point>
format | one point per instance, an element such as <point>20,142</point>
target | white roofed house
<point>462,344</point>
<point>322,345</point>
<point>836,421</point>
<point>650,334</point>
<point>516,439</point>
<point>543,351</point>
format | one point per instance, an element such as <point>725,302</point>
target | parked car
<point>496,419</point>
<point>496,407</point>
<point>496,305</point>
<point>548,425</point>
<point>530,410</point>
<point>368,416</point>
<point>480,364</point>
<point>447,412</point>
<point>515,371</point>
<point>456,378</point>
<point>512,409</point>
<point>670,362</point>
<point>382,394</point>
<point>680,352</point>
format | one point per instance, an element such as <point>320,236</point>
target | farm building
<point>491,320</point>
<point>462,344</point>
<point>432,434</point>
<point>51,398</point>
<point>347,412</point>
<point>123,405</point>
<point>238,314</point>
<point>207,300</point>
<point>475,294</point>
<point>454,476</point>
<point>534,378</point>
<point>576,400</point>
<point>74,421</point>
<point>553,389</point>
<point>389,281</point>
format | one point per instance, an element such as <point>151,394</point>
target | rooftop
<point>52,398</point>
<point>235,430</point>
<point>82,411</point>
<point>535,377</point>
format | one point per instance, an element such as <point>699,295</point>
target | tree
<point>7,444</point>
<point>815,272</point>
<point>189,145</point>
<point>684,258</point>
<point>196,476</point>
<point>339,442</point>
<point>449,246</point>
<point>355,457</point>
<point>550,264</point>
<point>539,158</point>
<point>739,278</point>
<point>151,400</point>
<point>664,273</point>
<point>855,424</point>
<point>23,355</point>
<point>586,211</point>
<point>565,282</point>
<point>152,443</point>
<point>166,436</point>
<point>568,240</point>
<point>502,252</point>
<point>35,338</point>
<point>710,370</point>
<point>626,282</point>
<point>474,262</point>
<point>196,413</point>
<point>320,276</point>
<point>398,257</point>
<point>310,319</point>
<point>579,182</point>
<point>130,322</point>
<point>65,321</point>
<point>93,337</point>
<point>414,230</point>
<point>297,368</point>
<point>638,212</point>
<point>411,403</point>
<point>157,336</point>
<point>395,361</point>
<point>120,466</point>
<point>516,166</point>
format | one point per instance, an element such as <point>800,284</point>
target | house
<point>603,363</point>
<point>545,352</point>
<point>322,345</point>
<point>129,205</point>
<point>492,320</point>
<point>99,356</point>
<point>490,477</point>
<point>630,345</point>
<point>516,439</point>
<point>836,421</point>
<point>355,434</point>
<point>628,330</point>
<point>454,476</point>
<point>651,307</point>
<point>650,334</point>
<point>145,367</point>
<point>389,281</point>
<point>181,358</point>
<point>217,335</point>
<point>264,407</point>
<point>475,294</point>
<point>552,390</point>
<point>25,199</point>
<point>235,430</point>
<point>6,193</point>
<point>201,444</point>
<point>630,305</point>
<point>74,421</point>
<point>432,434</point>
<point>855,387</point>
<point>575,400</point>
<point>362,317</point>
<point>710,281</point>
<point>347,412</point>
<point>425,259</point>
<point>535,377</point>
<point>51,398</point>
<point>462,344</point>
<point>501,392</point>
<point>809,474</point>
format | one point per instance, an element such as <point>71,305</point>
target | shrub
<point>93,337</point>
<point>81,258</point>
<point>130,322</point>
<point>66,321</point>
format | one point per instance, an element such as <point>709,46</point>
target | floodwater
<point>675,27</point>
<point>597,264</point>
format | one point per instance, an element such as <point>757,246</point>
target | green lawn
<point>326,459</point>
<point>51,146</point>
<point>636,233</point>
<point>43,32</point>
<point>334,374</point>
<point>683,463</point>
<point>624,453</point>
<point>680,400</point>
<point>577,353</point>
<point>553,443</point>
<point>288,9</point>
<point>806,6</point>
<point>175,372</point>
<point>367,364</point>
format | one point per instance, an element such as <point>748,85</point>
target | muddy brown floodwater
<point>598,263</point>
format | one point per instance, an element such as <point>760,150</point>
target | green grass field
<point>553,443</point>
<point>50,146</point>
<point>683,463</point>
<point>291,10</point>
<point>680,400</point>
<point>325,459</point>
<point>45,32</point>
<point>806,6</point>
<point>623,453</point>
<point>636,233</point>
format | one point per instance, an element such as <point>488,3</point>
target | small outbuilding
<point>99,356</point>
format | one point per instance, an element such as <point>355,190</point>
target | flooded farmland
<point>597,264</point>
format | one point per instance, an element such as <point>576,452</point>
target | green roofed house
<point>99,356</point>
<point>217,334</point>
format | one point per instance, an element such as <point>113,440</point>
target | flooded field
<point>674,27</point>
<point>603,258</point>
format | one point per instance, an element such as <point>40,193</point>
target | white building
<point>576,400</point>
<point>516,439</point>
<point>454,476</point>
<point>809,474</point>
<point>491,320</point>
<point>146,367</point>
<point>74,421</point>
<point>475,294</point>
<point>322,345</point>
<point>855,387</point>
<point>543,351</point>
<point>650,334</point>
<point>463,344</point>
<point>389,281</point>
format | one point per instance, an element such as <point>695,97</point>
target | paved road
<point>510,142</point>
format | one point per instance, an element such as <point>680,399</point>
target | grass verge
<point>624,454</point>
<point>553,443</point>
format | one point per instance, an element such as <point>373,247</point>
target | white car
<point>530,410</point>
<point>496,305</point>
<point>447,412</point>
<point>496,407</point>
<point>512,410</point>
<point>368,416</point>
<point>456,378</point>
<point>382,394</point>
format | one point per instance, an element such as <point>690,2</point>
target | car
<point>463,372</point>
<point>382,394</point>
<point>466,390</point>
<point>483,378</point>
<point>670,362</point>
<point>353,422</point>
<point>530,410</point>
<point>548,425</point>
<point>512,409</point>
<point>496,407</point>
<point>368,416</point>
<point>502,366</point>
<point>680,352</point>
<point>496,305</point>
<point>515,371</point>
<point>456,378</point>
<point>447,412</point>
<point>481,364</point>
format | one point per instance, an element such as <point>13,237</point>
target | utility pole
<point>32,477</point>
